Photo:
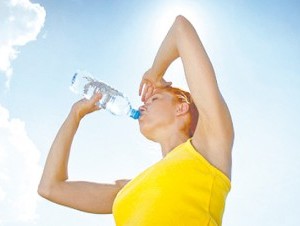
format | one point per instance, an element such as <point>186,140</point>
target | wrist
<point>157,72</point>
<point>74,115</point>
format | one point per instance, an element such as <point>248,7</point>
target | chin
<point>146,131</point>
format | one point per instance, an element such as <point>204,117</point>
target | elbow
<point>180,18</point>
<point>181,21</point>
<point>182,25</point>
<point>47,190</point>
<point>48,187</point>
<point>44,191</point>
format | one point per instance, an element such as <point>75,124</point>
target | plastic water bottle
<point>112,100</point>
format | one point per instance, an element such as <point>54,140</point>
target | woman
<point>190,184</point>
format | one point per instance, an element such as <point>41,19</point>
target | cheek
<point>162,114</point>
<point>158,117</point>
<point>166,110</point>
<point>158,113</point>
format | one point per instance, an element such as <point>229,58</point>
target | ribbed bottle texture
<point>112,100</point>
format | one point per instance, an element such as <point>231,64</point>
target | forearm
<point>56,167</point>
<point>170,49</point>
<point>167,52</point>
<point>181,36</point>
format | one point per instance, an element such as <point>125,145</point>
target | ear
<point>182,108</point>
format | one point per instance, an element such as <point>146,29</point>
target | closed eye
<point>153,98</point>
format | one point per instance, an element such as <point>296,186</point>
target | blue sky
<point>253,45</point>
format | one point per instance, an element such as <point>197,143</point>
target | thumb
<point>164,83</point>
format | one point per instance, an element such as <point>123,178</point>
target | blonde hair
<point>182,96</point>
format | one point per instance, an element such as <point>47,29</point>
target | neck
<point>169,143</point>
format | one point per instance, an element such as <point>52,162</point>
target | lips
<point>142,109</point>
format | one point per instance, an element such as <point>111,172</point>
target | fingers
<point>164,83</point>
<point>148,93</point>
<point>141,87</point>
<point>94,101</point>
<point>86,106</point>
<point>146,90</point>
<point>96,98</point>
<point>149,82</point>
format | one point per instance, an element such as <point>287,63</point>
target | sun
<point>166,14</point>
<point>163,18</point>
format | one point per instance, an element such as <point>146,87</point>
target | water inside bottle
<point>113,100</point>
<point>118,105</point>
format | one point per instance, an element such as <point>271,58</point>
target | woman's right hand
<point>150,81</point>
<point>86,106</point>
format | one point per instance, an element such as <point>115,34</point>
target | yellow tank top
<point>182,189</point>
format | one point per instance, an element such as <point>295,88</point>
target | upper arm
<point>85,196</point>
<point>214,129</point>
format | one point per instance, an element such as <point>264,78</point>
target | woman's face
<point>158,112</point>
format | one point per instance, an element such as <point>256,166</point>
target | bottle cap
<point>135,114</point>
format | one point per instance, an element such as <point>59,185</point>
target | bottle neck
<point>135,114</point>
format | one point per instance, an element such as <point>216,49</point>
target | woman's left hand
<point>86,106</point>
<point>150,82</point>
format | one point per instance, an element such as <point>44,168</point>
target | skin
<point>162,121</point>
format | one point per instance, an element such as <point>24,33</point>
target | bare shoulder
<point>121,183</point>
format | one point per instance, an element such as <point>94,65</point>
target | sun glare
<point>164,18</point>
<point>166,14</point>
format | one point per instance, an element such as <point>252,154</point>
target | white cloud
<point>20,23</point>
<point>19,172</point>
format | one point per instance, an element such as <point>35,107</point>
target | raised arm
<point>213,137</point>
<point>54,184</point>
